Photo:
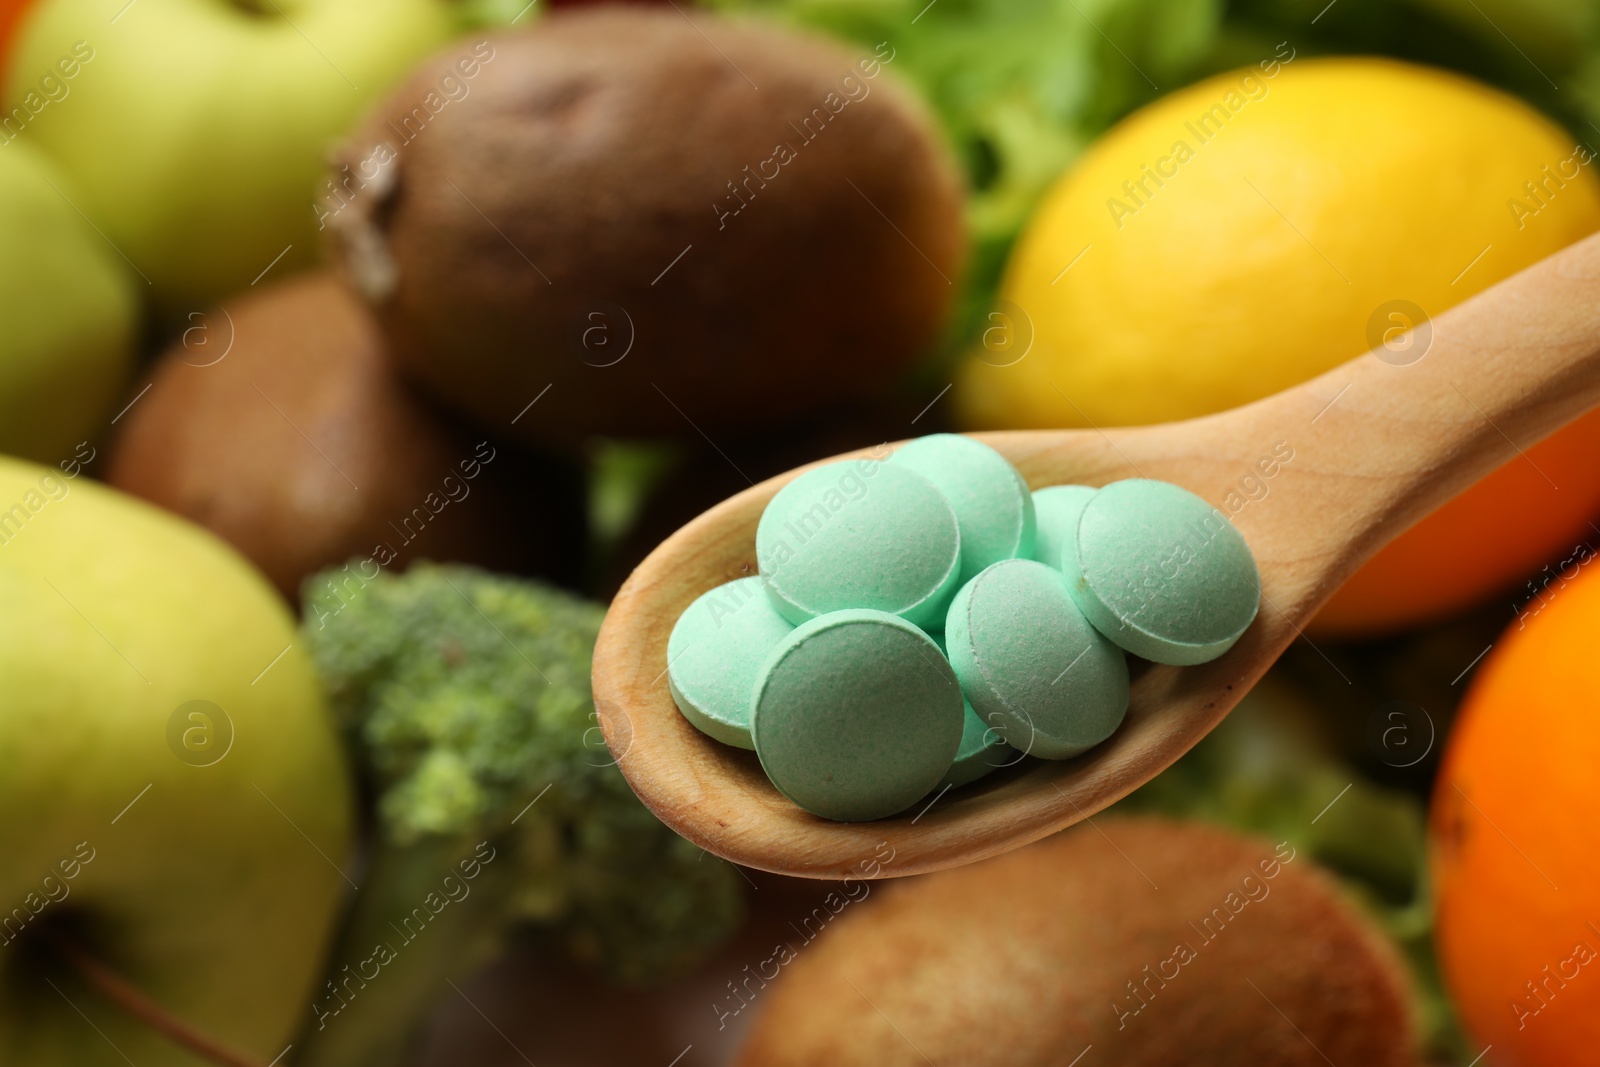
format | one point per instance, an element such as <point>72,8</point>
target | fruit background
<point>352,353</point>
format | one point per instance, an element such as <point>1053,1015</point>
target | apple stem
<point>135,1003</point>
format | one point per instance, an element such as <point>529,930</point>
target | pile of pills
<point>920,621</point>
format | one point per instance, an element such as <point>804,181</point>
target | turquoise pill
<point>1058,509</point>
<point>1031,663</point>
<point>992,504</point>
<point>860,534</point>
<point>857,715</point>
<point>1162,573</point>
<point>715,655</point>
<point>982,751</point>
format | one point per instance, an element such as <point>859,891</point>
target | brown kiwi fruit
<point>1081,940</point>
<point>677,223</point>
<point>278,423</point>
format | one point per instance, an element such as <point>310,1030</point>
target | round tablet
<point>983,748</point>
<point>1162,573</point>
<point>992,504</point>
<point>860,534</point>
<point>715,653</point>
<point>1057,510</point>
<point>857,715</point>
<point>982,751</point>
<point>1031,663</point>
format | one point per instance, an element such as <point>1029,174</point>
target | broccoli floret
<point>465,700</point>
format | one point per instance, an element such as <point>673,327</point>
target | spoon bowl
<point>1317,478</point>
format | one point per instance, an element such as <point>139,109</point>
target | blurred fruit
<point>1240,952</point>
<point>277,423</point>
<point>1252,231</point>
<point>162,727</point>
<point>1534,508</point>
<point>71,314</point>
<point>616,214</point>
<point>197,131</point>
<point>11,12</point>
<point>1513,836</point>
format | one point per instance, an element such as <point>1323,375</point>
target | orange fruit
<point>11,12</point>
<point>1513,835</point>
<point>1532,510</point>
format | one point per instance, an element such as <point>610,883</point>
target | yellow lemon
<point>1252,231</point>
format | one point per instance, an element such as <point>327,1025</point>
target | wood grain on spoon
<point>1377,444</point>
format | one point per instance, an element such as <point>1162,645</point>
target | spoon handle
<point>1386,438</point>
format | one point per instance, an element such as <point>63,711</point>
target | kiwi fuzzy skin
<point>279,423</point>
<point>1024,960</point>
<point>576,202</point>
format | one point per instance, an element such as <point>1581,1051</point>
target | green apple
<point>197,131</point>
<point>173,795</point>
<point>70,319</point>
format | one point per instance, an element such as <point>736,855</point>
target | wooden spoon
<point>1372,446</point>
